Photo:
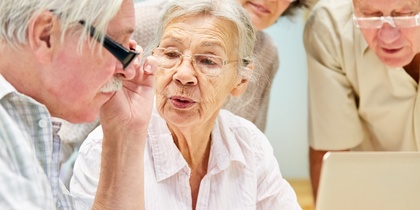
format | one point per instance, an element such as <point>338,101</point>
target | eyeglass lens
<point>208,64</point>
<point>377,22</point>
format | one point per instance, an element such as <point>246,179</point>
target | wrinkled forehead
<point>386,6</point>
<point>204,25</point>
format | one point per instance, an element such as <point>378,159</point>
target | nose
<point>185,74</point>
<point>388,34</point>
<point>130,71</point>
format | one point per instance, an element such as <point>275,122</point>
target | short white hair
<point>229,10</point>
<point>15,16</point>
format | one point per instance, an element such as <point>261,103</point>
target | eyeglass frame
<point>182,55</point>
<point>387,19</point>
<point>124,55</point>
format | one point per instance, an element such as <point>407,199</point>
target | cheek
<point>162,80</point>
<point>370,36</point>
<point>160,100</point>
<point>415,40</point>
<point>215,90</point>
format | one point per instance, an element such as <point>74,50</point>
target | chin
<point>396,62</point>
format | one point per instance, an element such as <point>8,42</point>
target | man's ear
<point>243,83</point>
<point>40,36</point>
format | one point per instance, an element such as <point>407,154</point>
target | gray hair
<point>229,10</point>
<point>15,16</point>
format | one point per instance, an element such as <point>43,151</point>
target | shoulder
<point>92,146</point>
<point>227,119</point>
<point>246,134</point>
<point>265,46</point>
<point>329,35</point>
<point>266,58</point>
<point>265,40</point>
<point>330,14</point>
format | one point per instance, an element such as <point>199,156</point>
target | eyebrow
<point>173,39</point>
<point>212,44</point>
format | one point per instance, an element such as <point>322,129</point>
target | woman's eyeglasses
<point>208,64</point>
<point>396,22</point>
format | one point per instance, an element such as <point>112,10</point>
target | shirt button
<point>42,123</point>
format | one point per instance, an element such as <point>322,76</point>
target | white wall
<point>287,120</point>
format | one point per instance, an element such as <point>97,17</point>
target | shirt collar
<point>5,87</point>
<point>225,147</point>
<point>168,160</point>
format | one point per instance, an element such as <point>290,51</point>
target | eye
<point>404,14</point>
<point>208,60</point>
<point>171,54</point>
<point>372,14</point>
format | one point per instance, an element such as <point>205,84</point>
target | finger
<point>150,65</point>
<point>148,69</point>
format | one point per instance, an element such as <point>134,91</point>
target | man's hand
<point>125,119</point>
<point>131,107</point>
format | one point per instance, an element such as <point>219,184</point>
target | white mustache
<point>114,84</point>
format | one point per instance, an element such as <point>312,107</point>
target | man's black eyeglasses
<point>124,55</point>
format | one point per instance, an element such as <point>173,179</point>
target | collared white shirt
<point>29,154</point>
<point>355,101</point>
<point>242,172</point>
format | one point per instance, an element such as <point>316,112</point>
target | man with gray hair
<point>71,59</point>
<point>363,71</point>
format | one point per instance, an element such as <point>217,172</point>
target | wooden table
<point>303,191</point>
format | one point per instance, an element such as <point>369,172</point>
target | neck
<point>193,146</point>
<point>19,72</point>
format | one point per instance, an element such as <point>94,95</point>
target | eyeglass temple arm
<point>120,52</point>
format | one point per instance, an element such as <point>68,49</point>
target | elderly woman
<point>253,103</point>
<point>197,155</point>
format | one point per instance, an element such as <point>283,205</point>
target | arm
<point>334,122</point>
<point>315,165</point>
<point>124,119</point>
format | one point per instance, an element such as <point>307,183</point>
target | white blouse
<point>242,172</point>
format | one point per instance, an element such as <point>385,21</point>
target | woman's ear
<point>243,82</point>
<point>40,36</point>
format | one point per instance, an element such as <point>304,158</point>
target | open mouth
<point>391,51</point>
<point>182,102</point>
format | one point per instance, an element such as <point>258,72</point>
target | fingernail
<point>148,68</point>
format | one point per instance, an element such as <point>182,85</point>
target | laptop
<point>369,181</point>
